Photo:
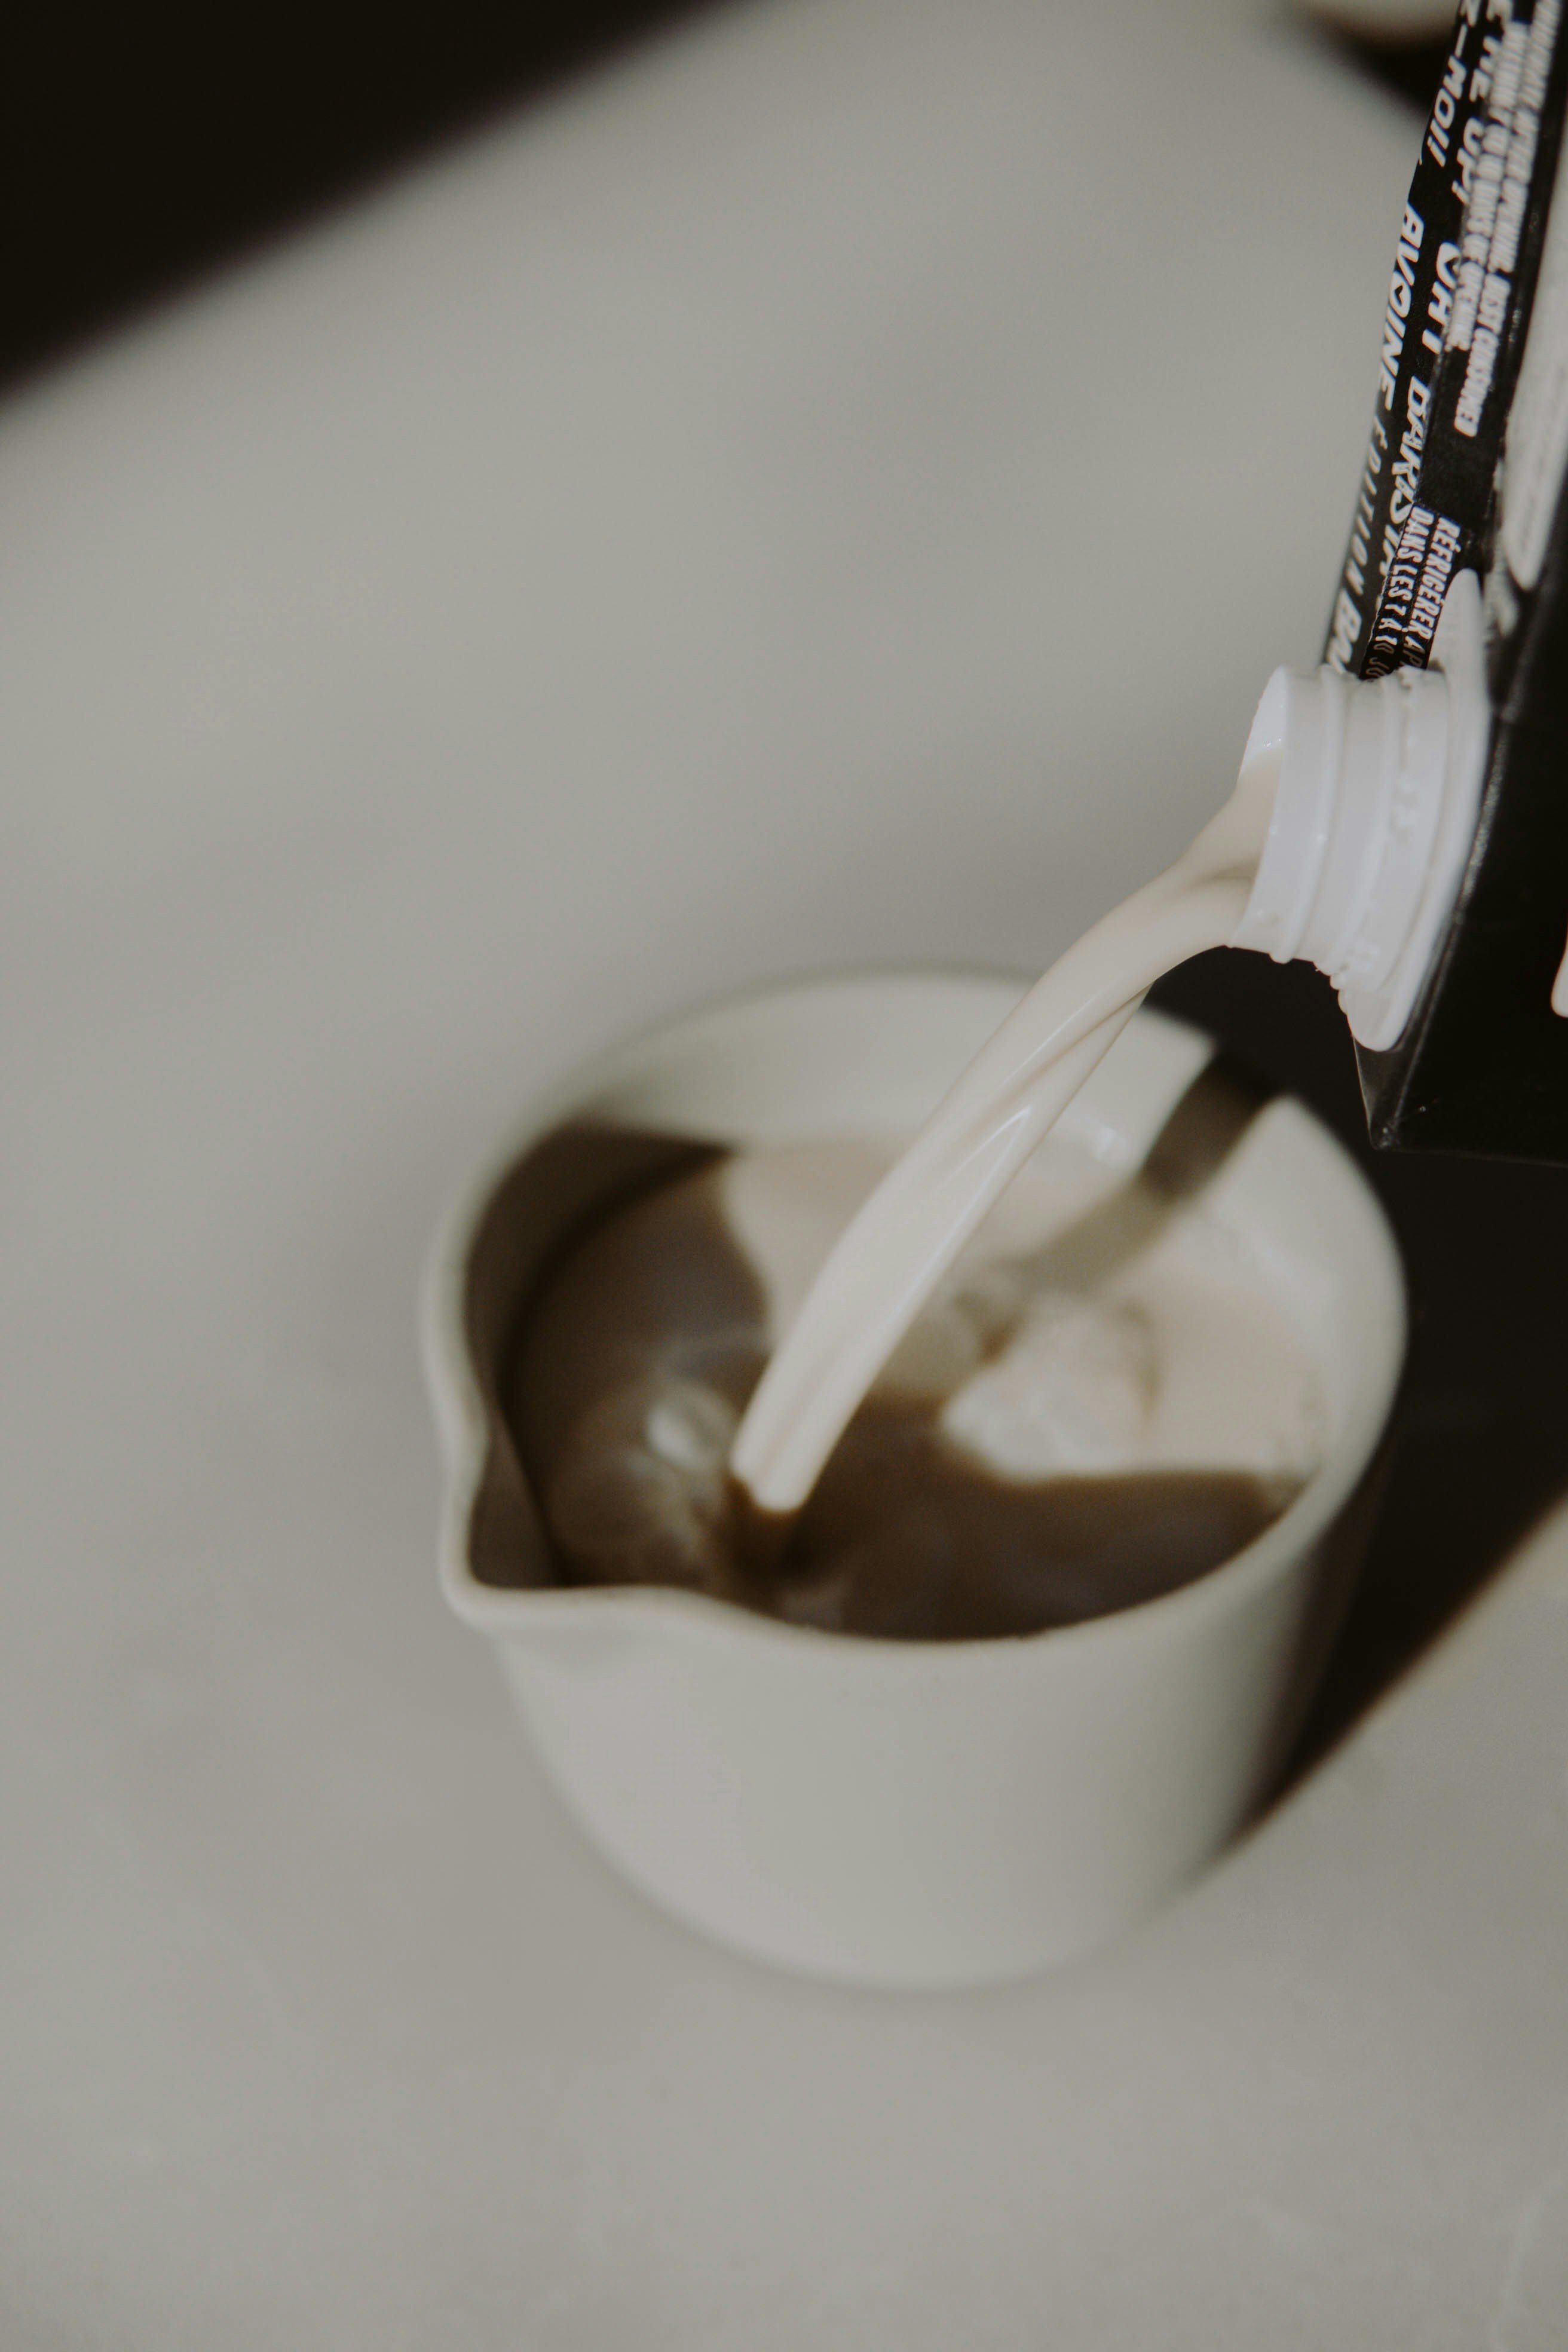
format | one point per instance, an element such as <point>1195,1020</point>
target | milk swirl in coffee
<point>1099,1402</point>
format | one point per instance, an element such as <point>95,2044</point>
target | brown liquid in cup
<point>907,1535</point>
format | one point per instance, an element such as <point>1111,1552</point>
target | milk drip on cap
<point>1375,815</point>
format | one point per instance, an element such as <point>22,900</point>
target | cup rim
<point>464,1421</point>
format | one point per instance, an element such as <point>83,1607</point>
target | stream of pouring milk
<point>894,1253</point>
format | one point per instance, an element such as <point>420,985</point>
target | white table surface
<point>828,490</point>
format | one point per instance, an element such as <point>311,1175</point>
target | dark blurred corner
<point>149,143</point>
<point>1407,59</point>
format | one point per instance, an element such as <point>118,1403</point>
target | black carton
<point>1465,471</point>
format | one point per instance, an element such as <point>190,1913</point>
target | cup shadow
<point>1478,1449</point>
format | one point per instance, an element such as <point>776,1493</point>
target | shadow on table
<point>1480,1447</point>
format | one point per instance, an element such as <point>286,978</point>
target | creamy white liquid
<point>1090,1327</point>
<point>895,1251</point>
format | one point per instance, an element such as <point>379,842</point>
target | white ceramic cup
<point>884,1812</point>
